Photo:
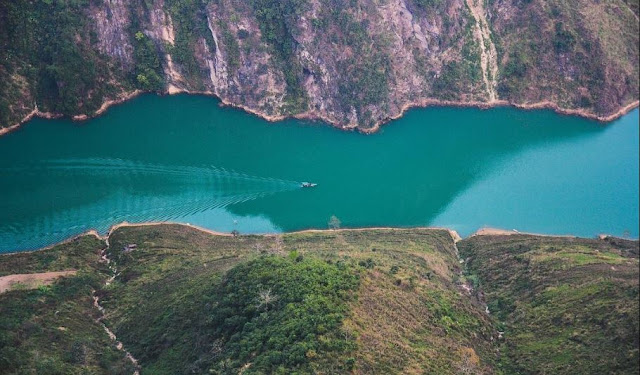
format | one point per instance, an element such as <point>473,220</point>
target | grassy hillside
<point>566,306</point>
<point>391,293</point>
<point>394,301</point>
<point>53,329</point>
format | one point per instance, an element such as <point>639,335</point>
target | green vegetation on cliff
<point>190,25</point>
<point>47,58</point>
<point>583,53</point>
<point>277,18</point>
<point>352,63</point>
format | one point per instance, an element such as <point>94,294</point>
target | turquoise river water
<point>186,159</point>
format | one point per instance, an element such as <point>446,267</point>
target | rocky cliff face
<point>352,63</point>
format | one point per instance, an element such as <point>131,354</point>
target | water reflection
<point>185,159</point>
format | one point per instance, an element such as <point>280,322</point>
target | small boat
<point>308,184</point>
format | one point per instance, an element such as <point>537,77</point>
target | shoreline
<point>313,115</point>
<point>126,224</point>
<point>485,231</point>
<point>489,231</point>
<point>426,103</point>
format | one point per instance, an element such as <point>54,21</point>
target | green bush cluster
<point>50,44</point>
<point>148,70</point>
<point>277,20</point>
<point>190,24</point>
<point>564,40</point>
<point>428,4</point>
<point>448,85</point>
<point>276,313</point>
<point>514,72</point>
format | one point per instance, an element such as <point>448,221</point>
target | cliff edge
<point>353,64</point>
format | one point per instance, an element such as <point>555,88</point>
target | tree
<point>469,362</point>
<point>278,245</point>
<point>334,222</point>
<point>143,80</point>
<point>258,247</point>
<point>266,298</point>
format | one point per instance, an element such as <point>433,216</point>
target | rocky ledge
<point>355,65</point>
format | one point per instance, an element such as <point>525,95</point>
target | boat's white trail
<point>122,167</point>
<point>134,192</point>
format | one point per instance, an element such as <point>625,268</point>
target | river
<point>186,159</point>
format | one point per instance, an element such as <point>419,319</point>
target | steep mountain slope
<point>184,301</point>
<point>371,301</point>
<point>353,64</point>
<point>556,51</point>
<point>55,329</point>
<point>404,311</point>
<point>565,306</point>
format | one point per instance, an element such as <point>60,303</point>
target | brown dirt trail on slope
<point>31,280</point>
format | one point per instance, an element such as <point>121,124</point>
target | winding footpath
<point>96,303</point>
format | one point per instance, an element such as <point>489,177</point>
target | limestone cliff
<point>353,63</point>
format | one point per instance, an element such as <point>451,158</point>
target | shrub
<point>275,312</point>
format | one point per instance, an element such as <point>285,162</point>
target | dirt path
<point>488,54</point>
<point>112,336</point>
<point>31,280</point>
<point>96,303</point>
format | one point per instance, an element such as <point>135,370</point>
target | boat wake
<point>109,191</point>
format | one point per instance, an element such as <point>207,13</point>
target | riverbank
<point>313,115</point>
<point>126,224</point>
<point>485,231</point>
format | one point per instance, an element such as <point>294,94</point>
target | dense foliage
<point>148,70</point>
<point>50,44</point>
<point>277,20</point>
<point>275,314</point>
